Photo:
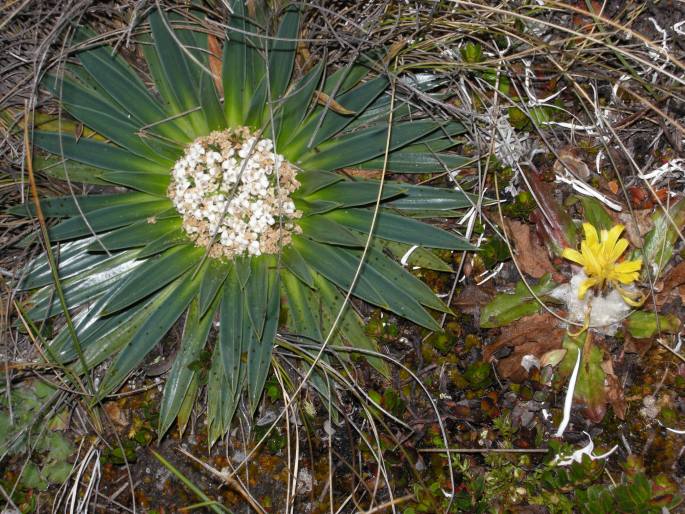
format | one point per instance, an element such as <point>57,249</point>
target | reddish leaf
<point>554,224</point>
<point>530,336</point>
<point>215,53</point>
<point>531,255</point>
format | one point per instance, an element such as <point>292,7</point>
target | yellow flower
<point>599,255</point>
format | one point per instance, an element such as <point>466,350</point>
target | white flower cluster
<point>233,185</point>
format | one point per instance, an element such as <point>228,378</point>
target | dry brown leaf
<point>637,226</point>
<point>325,100</point>
<point>532,256</point>
<point>78,131</point>
<point>394,49</point>
<point>533,335</point>
<point>215,54</point>
<point>673,286</point>
<point>472,298</point>
<point>365,174</point>
<point>568,159</point>
<point>614,390</point>
<point>115,413</point>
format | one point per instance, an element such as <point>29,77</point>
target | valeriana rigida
<point>227,205</point>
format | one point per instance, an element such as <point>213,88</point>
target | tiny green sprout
<point>472,53</point>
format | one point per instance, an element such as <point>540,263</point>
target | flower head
<point>232,185</point>
<point>599,255</point>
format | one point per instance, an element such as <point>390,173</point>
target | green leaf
<point>339,266</point>
<point>419,257</point>
<point>324,230</point>
<point>67,170</point>
<point>188,404</point>
<point>193,340</point>
<point>414,162</point>
<point>590,389</point>
<point>660,240</point>
<point>256,293</point>
<point>235,333</point>
<point>82,288</point>
<point>135,235</point>
<point>72,258</point>
<point>296,264</point>
<point>351,194</point>
<point>351,328</point>
<point>259,352</point>
<point>508,307</point>
<point>282,52</point>
<point>57,472</point>
<point>405,281</point>
<point>214,277</point>
<point>175,119</point>
<point>349,76</point>
<point>399,228</point>
<point>103,117</point>
<point>31,477</point>
<point>312,207</point>
<point>152,275</point>
<point>595,213</point>
<point>65,206</point>
<point>324,122</point>
<point>150,333</point>
<point>177,71</point>
<point>645,324</point>
<point>164,242</point>
<point>363,145</point>
<point>294,104</point>
<point>313,181</point>
<point>152,183</point>
<point>101,337</point>
<point>106,218</point>
<point>211,107</point>
<point>95,153</point>
<point>116,77</point>
<point>435,198</point>
<point>302,319</point>
<point>243,67</point>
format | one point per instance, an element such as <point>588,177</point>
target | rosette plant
<point>228,206</point>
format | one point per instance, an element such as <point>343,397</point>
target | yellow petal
<point>618,249</point>
<point>628,266</point>
<point>625,278</point>
<point>585,285</point>
<point>573,255</point>
<point>591,237</point>
<point>591,263</point>
<point>611,237</point>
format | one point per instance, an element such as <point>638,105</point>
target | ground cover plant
<point>325,257</point>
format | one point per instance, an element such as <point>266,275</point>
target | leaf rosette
<point>130,266</point>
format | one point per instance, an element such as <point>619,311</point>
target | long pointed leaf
<point>242,64</point>
<point>363,145</point>
<point>92,152</point>
<point>152,275</point>
<point>106,218</point>
<point>177,71</point>
<point>259,353</point>
<point>324,122</point>
<point>399,228</point>
<point>339,266</point>
<point>195,332</point>
<point>150,333</point>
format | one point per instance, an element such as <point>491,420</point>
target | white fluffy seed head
<point>233,185</point>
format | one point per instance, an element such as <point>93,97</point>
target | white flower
<point>244,201</point>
